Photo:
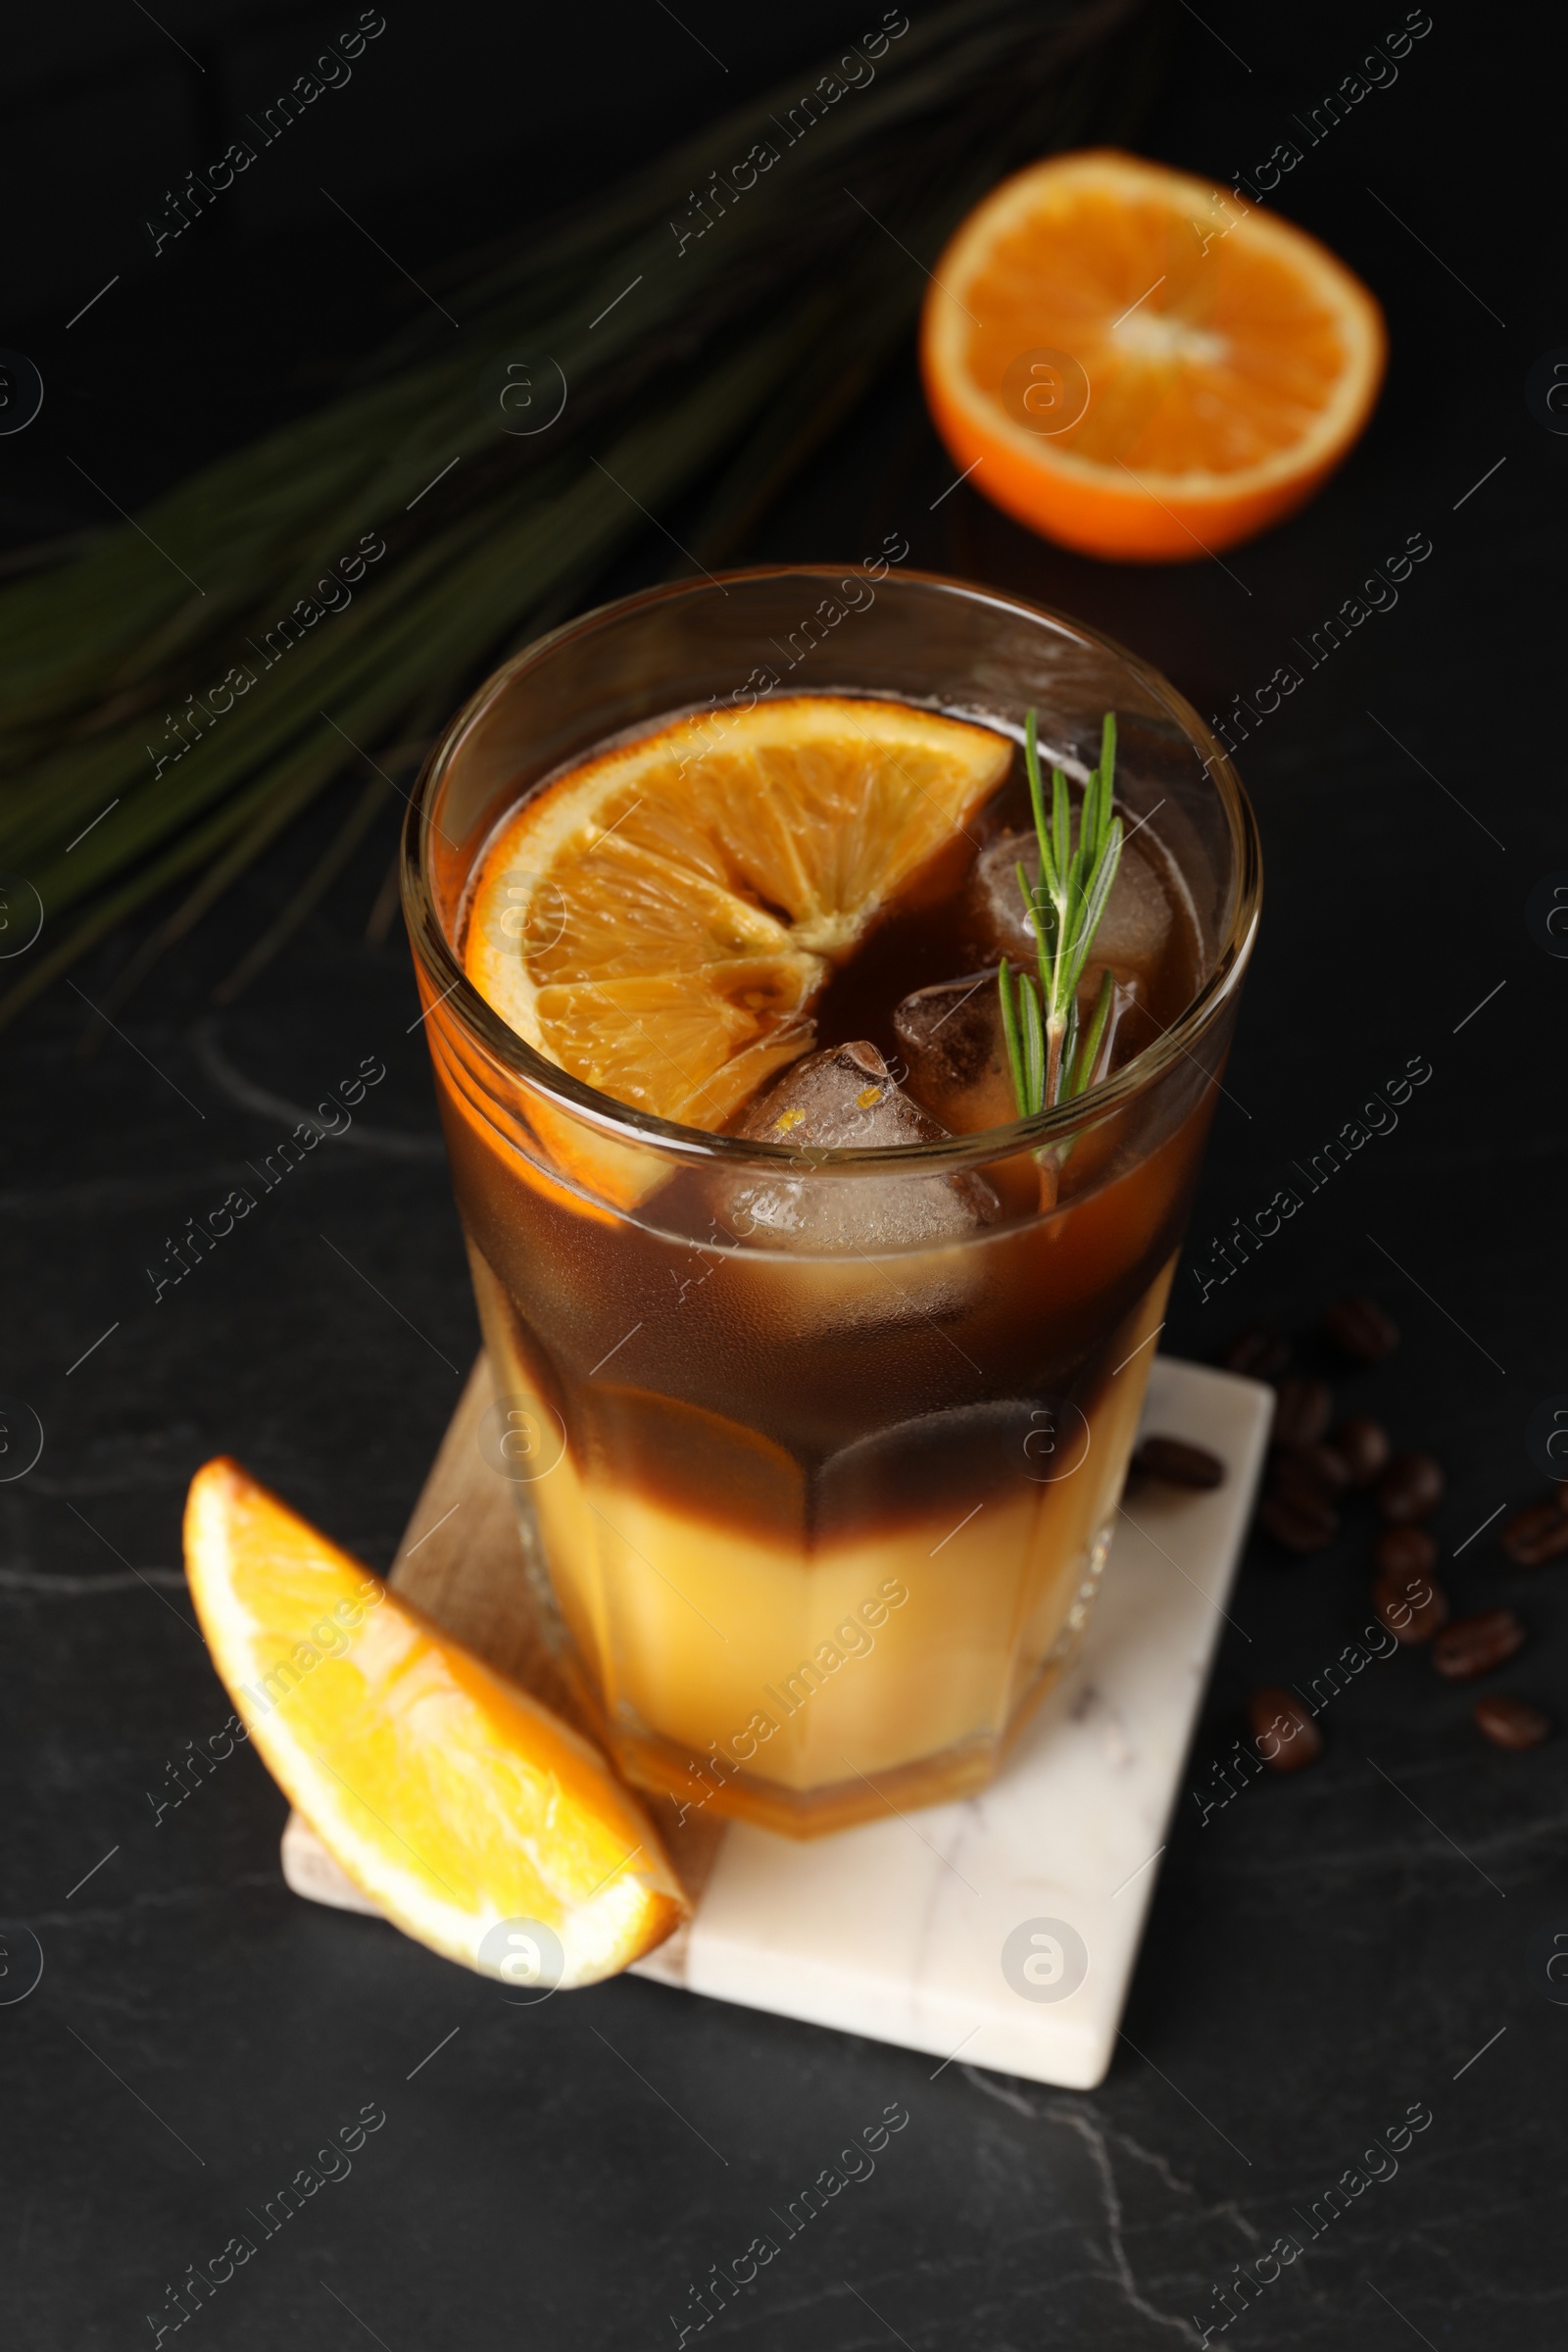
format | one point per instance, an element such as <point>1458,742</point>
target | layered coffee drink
<point>819,1339</point>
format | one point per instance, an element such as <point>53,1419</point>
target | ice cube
<point>952,1038</point>
<point>1130,1025</point>
<point>847,1098</point>
<point>844,1097</point>
<point>1132,932</point>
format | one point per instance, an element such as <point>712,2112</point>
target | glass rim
<point>628,1125</point>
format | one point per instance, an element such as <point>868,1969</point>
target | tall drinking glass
<point>814,1527</point>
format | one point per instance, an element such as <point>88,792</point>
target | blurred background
<point>457,126</point>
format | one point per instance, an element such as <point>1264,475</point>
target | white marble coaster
<point>1004,1929</point>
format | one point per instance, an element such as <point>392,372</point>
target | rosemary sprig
<point>1050,1054</point>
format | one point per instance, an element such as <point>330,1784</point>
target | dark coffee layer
<point>810,1401</point>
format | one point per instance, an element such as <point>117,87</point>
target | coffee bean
<point>1302,1410</point>
<point>1410,1487</point>
<point>1360,1330</point>
<point>1536,1535</point>
<point>1307,1474</point>
<point>1473,1645</point>
<point>1510,1721</point>
<point>1327,1466</point>
<point>1299,1524</point>
<point>1283,1730</point>
<point>1411,1606</point>
<point>1258,1353</point>
<point>1363,1446</point>
<point>1406,1550</point>
<point>1178,1465</point>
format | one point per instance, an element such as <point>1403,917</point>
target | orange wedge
<point>481,1825</point>
<point>1140,364</point>
<point>659,921</point>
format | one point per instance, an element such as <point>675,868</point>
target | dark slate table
<point>1324,1953</point>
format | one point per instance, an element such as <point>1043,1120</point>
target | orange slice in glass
<point>659,920</point>
<point>480,1823</point>
<point>1140,364</point>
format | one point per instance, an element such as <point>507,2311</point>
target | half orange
<point>1143,366</point>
